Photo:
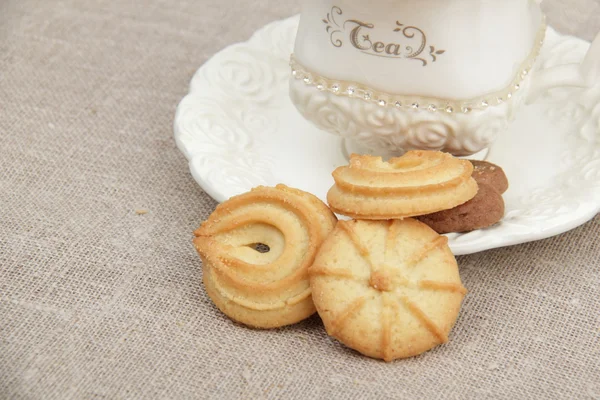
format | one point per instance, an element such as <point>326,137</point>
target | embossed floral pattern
<point>484,132</point>
<point>429,135</point>
<point>243,73</point>
<point>236,173</point>
<point>393,131</point>
<point>590,129</point>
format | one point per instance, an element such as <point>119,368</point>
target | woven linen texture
<point>100,300</point>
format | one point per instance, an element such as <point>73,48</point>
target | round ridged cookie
<point>420,182</point>
<point>263,289</point>
<point>483,210</point>
<point>388,289</point>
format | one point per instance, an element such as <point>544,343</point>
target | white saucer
<point>238,129</point>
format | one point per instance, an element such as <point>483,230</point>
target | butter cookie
<point>420,182</point>
<point>257,288</point>
<point>388,289</point>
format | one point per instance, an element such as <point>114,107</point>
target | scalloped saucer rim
<point>238,129</point>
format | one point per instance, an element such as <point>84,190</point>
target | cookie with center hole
<point>256,249</point>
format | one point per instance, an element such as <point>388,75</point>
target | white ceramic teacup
<point>396,75</point>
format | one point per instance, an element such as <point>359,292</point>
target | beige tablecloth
<point>99,302</point>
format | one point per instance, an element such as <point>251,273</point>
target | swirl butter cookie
<point>420,182</point>
<point>388,289</point>
<point>263,289</point>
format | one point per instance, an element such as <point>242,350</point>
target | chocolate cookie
<point>490,174</point>
<point>483,210</point>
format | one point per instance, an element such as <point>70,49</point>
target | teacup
<point>447,75</point>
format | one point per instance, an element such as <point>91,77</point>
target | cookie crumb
<point>575,301</point>
<point>247,374</point>
<point>493,366</point>
<point>141,212</point>
<point>267,390</point>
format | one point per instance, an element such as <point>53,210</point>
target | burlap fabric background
<point>98,302</point>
